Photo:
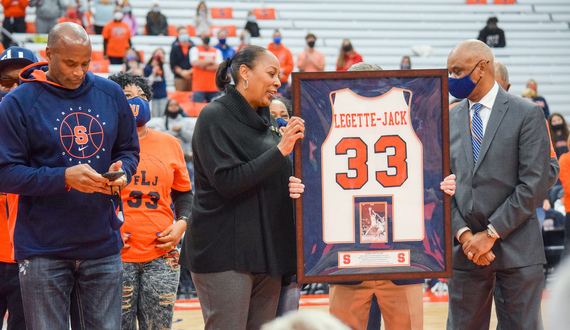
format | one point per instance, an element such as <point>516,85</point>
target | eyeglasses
<point>8,82</point>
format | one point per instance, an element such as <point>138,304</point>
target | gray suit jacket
<point>506,185</point>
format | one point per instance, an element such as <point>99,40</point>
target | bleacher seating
<point>221,12</point>
<point>264,13</point>
<point>382,31</point>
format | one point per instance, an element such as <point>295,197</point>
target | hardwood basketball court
<point>188,316</point>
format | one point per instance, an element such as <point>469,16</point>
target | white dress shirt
<point>487,101</point>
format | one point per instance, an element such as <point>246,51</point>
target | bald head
<point>476,59</point>
<point>474,48</point>
<point>64,34</point>
<point>68,54</point>
<point>502,75</point>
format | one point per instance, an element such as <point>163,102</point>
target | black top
<point>177,58</point>
<point>493,37</point>
<point>242,215</point>
<point>253,29</point>
<point>156,24</point>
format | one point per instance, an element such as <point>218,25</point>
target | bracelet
<point>183,218</point>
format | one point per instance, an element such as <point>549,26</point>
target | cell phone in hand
<point>112,176</point>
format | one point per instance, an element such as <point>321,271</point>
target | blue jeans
<point>47,285</point>
<point>149,292</point>
<point>204,97</point>
<point>10,297</point>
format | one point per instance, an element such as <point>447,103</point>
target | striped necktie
<point>476,131</point>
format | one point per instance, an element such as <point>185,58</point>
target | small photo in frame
<point>374,222</point>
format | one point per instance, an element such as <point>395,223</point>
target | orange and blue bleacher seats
<point>191,30</point>
<point>99,66</point>
<point>264,13</point>
<point>184,99</point>
<point>221,12</point>
<point>97,55</point>
<point>232,30</point>
<point>172,31</point>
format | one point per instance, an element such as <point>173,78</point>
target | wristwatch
<point>491,234</point>
<point>183,218</point>
<point>124,178</point>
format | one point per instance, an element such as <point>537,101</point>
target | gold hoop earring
<point>246,84</point>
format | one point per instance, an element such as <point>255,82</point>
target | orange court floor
<point>188,316</point>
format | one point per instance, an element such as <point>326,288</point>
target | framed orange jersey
<point>374,153</point>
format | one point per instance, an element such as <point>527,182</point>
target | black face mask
<point>311,44</point>
<point>206,41</point>
<point>347,48</point>
<point>558,127</point>
<point>174,114</point>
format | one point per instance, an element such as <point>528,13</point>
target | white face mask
<point>184,37</point>
<point>117,16</point>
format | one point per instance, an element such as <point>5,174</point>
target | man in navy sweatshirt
<point>60,130</point>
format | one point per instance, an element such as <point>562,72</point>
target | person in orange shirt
<point>71,15</point>
<point>347,56</point>
<point>285,58</point>
<point>14,19</point>
<point>10,295</point>
<point>116,38</point>
<point>311,60</point>
<point>205,61</point>
<point>11,62</point>
<point>150,257</point>
<point>565,179</point>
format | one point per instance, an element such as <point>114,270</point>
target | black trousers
<point>12,24</point>
<point>11,297</point>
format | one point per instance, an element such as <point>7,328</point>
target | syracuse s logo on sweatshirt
<point>81,134</point>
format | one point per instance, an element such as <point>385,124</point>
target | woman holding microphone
<point>241,239</point>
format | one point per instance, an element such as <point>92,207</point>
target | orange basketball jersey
<point>146,200</point>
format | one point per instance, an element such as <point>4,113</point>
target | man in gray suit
<point>499,151</point>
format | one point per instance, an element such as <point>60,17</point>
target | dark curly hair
<point>124,79</point>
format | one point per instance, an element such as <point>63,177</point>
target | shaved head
<point>68,53</point>
<point>475,47</point>
<point>473,51</point>
<point>476,59</point>
<point>67,33</point>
